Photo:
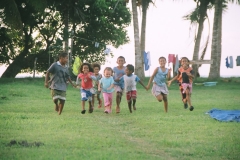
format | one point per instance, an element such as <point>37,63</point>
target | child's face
<point>107,73</point>
<point>96,70</point>
<point>63,60</point>
<point>184,62</point>
<point>128,72</point>
<point>120,61</point>
<point>85,69</point>
<point>162,62</point>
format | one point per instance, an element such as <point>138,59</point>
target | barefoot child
<point>118,72</point>
<point>60,76</point>
<point>159,88</point>
<point>98,76</point>
<point>185,78</point>
<point>130,81</point>
<point>106,85</point>
<point>86,77</point>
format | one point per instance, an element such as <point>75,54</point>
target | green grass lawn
<point>31,129</point>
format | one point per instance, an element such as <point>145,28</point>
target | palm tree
<point>139,70</point>
<point>217,39</point>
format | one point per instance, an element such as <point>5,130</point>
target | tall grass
<point>27,117</point>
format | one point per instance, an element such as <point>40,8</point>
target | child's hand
<point>169,70</point>
<point>78,87</point>
<point>147,88</point>
<point>169,83</point>
<point>99,89</point>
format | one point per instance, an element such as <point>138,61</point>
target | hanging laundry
<point>96,44</point>
<point>149,59</point>
<point>176,64</point>
<point>171,58</point>
<point>107,51</point>
<point>230,62</point>
<point>238,60</point>
<point>77,63</point>
<point>227,64</point>
<point>145,60</point>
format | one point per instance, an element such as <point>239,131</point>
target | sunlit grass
<point>27,114</point>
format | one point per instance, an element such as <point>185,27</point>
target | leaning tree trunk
<point>17,65</point>
<point>138,56</point>
<point>203,12</point>
<point>143,28</point>
<point>216,42</point>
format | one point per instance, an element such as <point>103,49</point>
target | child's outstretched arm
<point>143,84</point>
<point>74,85</point>
<point>174,78</point>
<point>151,78</point>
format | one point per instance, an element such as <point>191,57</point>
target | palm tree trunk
<point>143,29</point>
<point>203,11</point>
<point>216,42</point>
<point>138,56</point>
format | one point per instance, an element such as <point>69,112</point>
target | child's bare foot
<point>56,107</point>
<point>100,104</point>
<point>117,109</point>
<point>130,109</point>
<point>90,110</point>
<point>134,108</point>
<point>185,103</point>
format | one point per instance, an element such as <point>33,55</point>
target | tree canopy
<point>37,31</point>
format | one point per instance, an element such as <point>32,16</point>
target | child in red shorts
<point>130,81</point>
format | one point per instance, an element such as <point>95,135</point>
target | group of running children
<point>119,79</point>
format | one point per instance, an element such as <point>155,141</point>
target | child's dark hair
<point>62,54</point>
<point>130,67</point>
<point>162,58</point>
<point>96,65</point>
<point>85,64</point>
<point>121,57</point>
<point>185,58</point>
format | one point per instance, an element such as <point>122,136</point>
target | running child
<point>86,77</point>
<point>118,72</point>
<point>60,76</point>
<point>130,81</point>
<point>106,85</point>
<point>159,88</point>
<point>98,76</point>
<point>185,78</point>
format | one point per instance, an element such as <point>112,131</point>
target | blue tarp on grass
<point>225,115</point>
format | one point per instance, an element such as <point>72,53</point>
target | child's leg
<point>188,94</point>
<point>90,110</point>
<point>93,95</point>
<point>134,103</point>
<point>83,107</point>
<point>118,101</point>
<point>165,103</point>
<point>61,105</point>
<point>56,104</point>
<point>99,101</point>
<point>130,105</point>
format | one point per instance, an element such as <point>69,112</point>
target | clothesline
<point>96,43</point>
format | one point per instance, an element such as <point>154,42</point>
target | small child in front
<point>159,88</point>
<point>130,81</point>
<point>86,77</point>
<point>106,85</point>
<point>185,78</point>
